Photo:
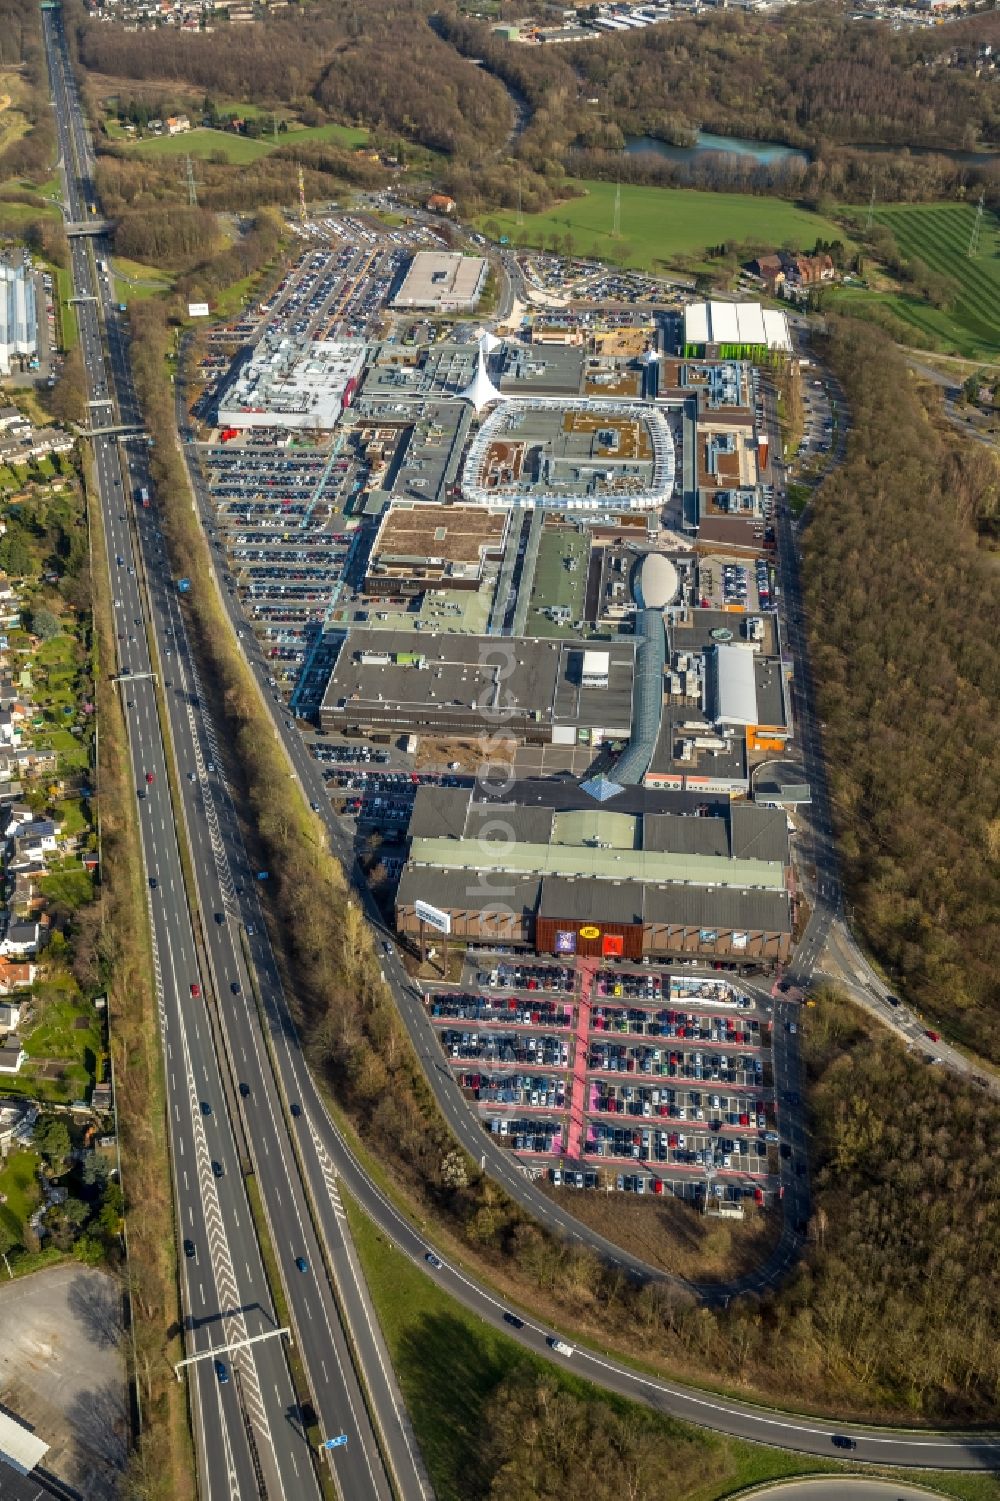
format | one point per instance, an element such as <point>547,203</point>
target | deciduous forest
<point>811,78</point>
<point>903,601</point>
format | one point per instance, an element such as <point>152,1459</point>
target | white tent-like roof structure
<point>481,390</point>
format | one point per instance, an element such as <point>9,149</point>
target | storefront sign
<point>433,916</point>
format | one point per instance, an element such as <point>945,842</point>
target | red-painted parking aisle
<point>574,1132</point>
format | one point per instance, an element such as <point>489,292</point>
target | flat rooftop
<point>442,280</point>
<point>723,759</point>
<point>691,630</point>
<point>293,383</point>
<point>444,684</point>
<point>571,452</point>
<point>453,534</point>
<point>541,370</point>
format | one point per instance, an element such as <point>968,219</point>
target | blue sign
<point>340,1442</point>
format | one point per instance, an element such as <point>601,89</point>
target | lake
<point>767,153</point>
<point>764,153</point>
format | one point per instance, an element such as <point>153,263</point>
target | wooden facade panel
<point>611,940</point>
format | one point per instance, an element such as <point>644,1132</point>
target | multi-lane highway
<point>263,1111</point>
<point>814,1436</point>
<point>226,1113</point>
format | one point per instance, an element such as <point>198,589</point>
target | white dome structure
<point>481,390</point>
<point>658,581</point>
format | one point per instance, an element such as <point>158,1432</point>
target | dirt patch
<point>62,1372</point>
<point>470,754</point>
<point>673,1235</point>
<point>432,970</point>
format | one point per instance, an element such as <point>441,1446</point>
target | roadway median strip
<point>317,1218</point>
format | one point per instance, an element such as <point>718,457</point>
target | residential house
<point>177,124</point>
<point>36,761</point>
<point>14,975</point>
<point>17,1119</point>
<point>769,269</point>
<point>37,839</point>
<point>46,440</point>
<point>25,898</point>
<point>440,203</point>
<point>10,733</point>
<point>786,270</point>
<point>17,814</point>
<point>10,1016</point>
<point>12,1054</point>
<point>13,422</point>
<point>21,940</point>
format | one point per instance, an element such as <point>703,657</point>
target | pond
<point>764,153</point>
<point>767,153</point>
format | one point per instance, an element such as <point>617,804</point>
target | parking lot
<point>624,1079</point>
<point>282,504</point>
<point>569,279</point>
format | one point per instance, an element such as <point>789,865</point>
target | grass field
<point>939,234</point>
<point>134,281</point>
<point>659,225</point>
<point>203,142</point>
<point>448,1363</point>
<point>68,327</point>
<point>20,1189</point>
<point>15,214</point>
<point>341,135</point>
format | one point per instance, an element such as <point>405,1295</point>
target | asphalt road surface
<point>250,1427</point>
<point>841,1488</point>
<point>814,1436</point>
<point>225,1110</point>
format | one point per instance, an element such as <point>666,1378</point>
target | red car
<point>934,1036</point>
<point>150,779</point>
<point>196,990</point>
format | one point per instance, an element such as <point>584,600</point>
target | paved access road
<point>220,850</point>
<point>814,1436</point>
<point>226,1113</point>
<point>841,1488</point>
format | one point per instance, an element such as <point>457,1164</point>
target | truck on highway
<point>142,496</point>
<point>559,1346</point>
<point>183,586</point>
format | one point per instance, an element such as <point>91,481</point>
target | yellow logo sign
<point>590,932</point>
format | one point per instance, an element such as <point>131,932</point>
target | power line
<point>871,211</point>
<point>192,186</point>
<point>616,225</point>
